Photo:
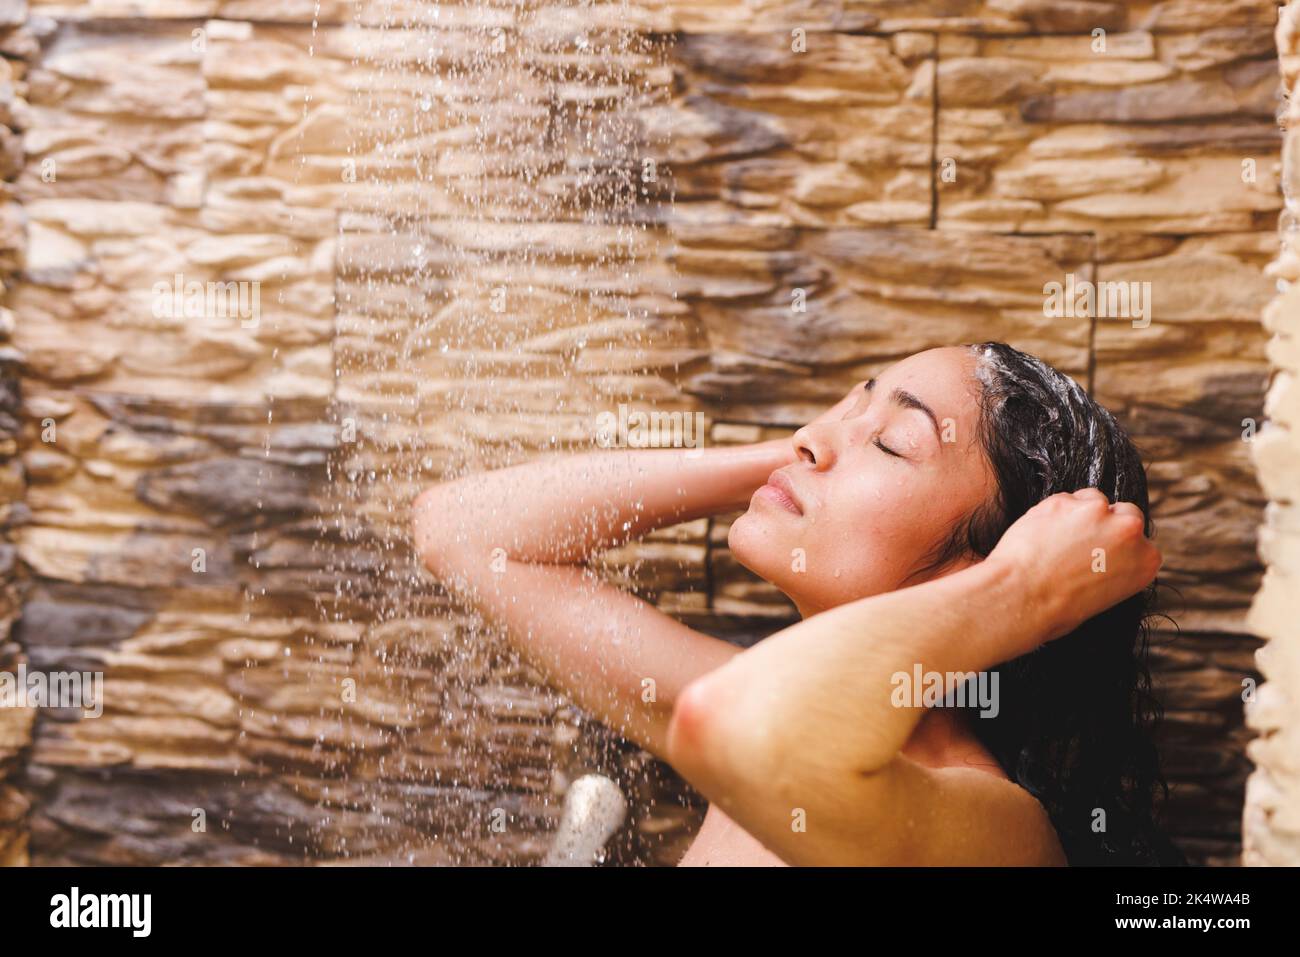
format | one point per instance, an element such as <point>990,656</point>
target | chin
<point>760,550</point>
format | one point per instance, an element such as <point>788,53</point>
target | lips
<point>780,491</point>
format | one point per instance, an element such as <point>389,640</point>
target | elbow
<point>429,528</point>
<point>692,728</point>
<point>715,744</point>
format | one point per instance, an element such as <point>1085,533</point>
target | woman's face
<point>881,480</point>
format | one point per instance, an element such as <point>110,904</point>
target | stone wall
<point>991,151</point>
<point>1271,821</point>
<point>459,266</point>
<point>15,723</point>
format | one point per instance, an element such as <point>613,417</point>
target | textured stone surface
<point>1046,134</point>
<point>1271,819</point>
<point>16,723</point>
<point>475,231</point>
<point>840,135</point>
<point>870,296</point>
<point>1190,388</point>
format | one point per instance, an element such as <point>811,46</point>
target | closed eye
<point>886,449</point>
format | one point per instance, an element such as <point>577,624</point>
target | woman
<point>971,510</point>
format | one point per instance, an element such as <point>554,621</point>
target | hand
<point>1078,556</point>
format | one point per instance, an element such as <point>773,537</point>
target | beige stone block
<point>1278,462</point>
<point>993,17</point>
<point>790,329</point>
<point>89,218</point>
<point>797,138</point>
<point>1116,140</point>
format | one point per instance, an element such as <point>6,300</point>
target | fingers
<point>1090,495</point>
<point>1129,510</point>
<point>1098,497</point>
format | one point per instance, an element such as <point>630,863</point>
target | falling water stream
<point>500,197</point>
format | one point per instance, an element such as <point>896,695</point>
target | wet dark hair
<point>1077,715</point>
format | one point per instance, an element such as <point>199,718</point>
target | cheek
<point>883,511</point>
<point>882,529</point>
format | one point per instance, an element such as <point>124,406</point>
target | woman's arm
<point>512,543</point>
<point>807,722</point>
<point>563,510</point>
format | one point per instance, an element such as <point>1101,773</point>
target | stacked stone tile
<point>1271,821</point>
<point>913,172</point>
<point>16,47</point>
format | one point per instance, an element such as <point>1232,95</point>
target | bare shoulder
<point>1042,844</point>
<point>980,818</point>
<point>1040,829</point>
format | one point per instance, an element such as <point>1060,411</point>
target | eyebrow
<point>909,401</point>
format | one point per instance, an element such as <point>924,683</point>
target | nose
<point>813,444</point>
